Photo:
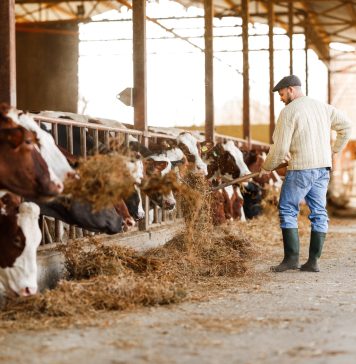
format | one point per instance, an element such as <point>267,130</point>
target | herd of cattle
<point>33,169</point>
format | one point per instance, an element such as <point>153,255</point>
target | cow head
<point>19,240</point>
<point>191,148</point>
<point>233,161</point>
<point>160,165</point>
<point>22,168</point>
<point>59,167</point>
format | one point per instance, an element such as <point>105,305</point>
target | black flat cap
<point>287,81</point>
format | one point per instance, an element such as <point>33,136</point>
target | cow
<point>192,150</point>
<point>118,217</point>
<point>22,169</point>
<point>58,165</point>
<point>80,213</point>
<point>225,162</point>
<point>19,239</point>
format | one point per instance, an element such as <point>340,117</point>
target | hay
<point>160,184</point>
<point>106,278</point>
<point>102,180</point>
<point>91,258</point>
<point>202,250</point>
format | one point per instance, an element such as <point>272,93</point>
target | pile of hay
<point>102,180</point>
<point>105,277</point>
<point>202,250</point>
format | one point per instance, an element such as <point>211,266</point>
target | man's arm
<point>282,138</point>
<point>342,125</point>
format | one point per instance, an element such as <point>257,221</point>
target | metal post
<point>246,67</point>
<point>7,52</point>
<point>139,78</point>
<point>290,34</point>
<point>271,69</point>
<point>209,71</point>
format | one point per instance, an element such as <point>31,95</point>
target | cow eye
<point>28,141</point>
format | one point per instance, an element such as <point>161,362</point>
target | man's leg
<point>316,201</point>
<point>294,188</point>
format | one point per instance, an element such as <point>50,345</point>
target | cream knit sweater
<point>303,129</point>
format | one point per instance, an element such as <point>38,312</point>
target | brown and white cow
<point>22,168</point>
<point>19,239</point>
<point>59,167</point>
<point>225,162</point>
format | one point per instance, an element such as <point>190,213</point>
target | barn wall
<point>47,67</point>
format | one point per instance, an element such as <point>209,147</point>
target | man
<point>303,134</point>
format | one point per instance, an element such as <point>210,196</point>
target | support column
<point>246,67</point>
<point>139,64</point>
<point>306,57</point>
<point>271,69</point>
<point>139,81</point>
<point>209,71</point>
<point>290,34</point>
<point>7,52</point>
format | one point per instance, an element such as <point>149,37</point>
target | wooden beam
<point>209,72</point>
<point>329,87</point>
<point>246,72</point>
<point>306,56</point>
<point>271,69</point>
<point>139,64</point>
<point>290,35</point>
<point>7,52</point>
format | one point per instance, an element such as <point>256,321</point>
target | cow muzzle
<point>27,291</point>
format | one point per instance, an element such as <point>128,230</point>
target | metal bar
<point>96,140</point>
<point>54,131</point>
<point>177,39</point>
<point>7,52</point>
<point>83,142</point>
<point>209,71</point>
<point>107,138</point>
<point>271,69</point>
<point>290,34</point>
<point>70,138</point>
<point>246,68</point>
<point>57,230</point>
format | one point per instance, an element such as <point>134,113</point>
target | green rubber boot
<point>316,246</point>
<point>291,251</point>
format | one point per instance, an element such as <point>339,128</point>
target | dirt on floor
<point>264,317</point>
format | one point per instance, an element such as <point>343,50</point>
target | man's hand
<point>263,172</point>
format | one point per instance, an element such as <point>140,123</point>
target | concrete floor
<point>292,317</point>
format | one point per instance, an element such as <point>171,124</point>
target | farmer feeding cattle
<point>303,134</point>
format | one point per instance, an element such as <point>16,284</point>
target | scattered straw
<point>101,277</point>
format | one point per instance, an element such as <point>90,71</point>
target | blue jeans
<point>310,185</point>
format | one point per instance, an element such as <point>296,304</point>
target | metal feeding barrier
<point>65,131</point>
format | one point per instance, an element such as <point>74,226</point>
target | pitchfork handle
<point>244,178</point>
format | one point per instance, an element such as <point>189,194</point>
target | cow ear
<point>160,166</point>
